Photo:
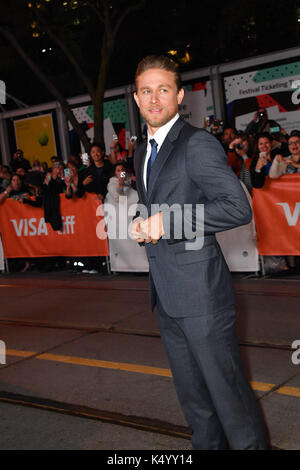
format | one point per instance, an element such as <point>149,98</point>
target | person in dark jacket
<point>18,161</point>
<point>261,123</point>
<point>95,177</point>
<point>54,187</point>
<point>262,160</point>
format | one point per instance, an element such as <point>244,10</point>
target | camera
<point>133,139</point>
<point>123,174</point>
<point>67,172</point>
<point>115,137</point>
<point>239,146</point>
<point>85,159</point>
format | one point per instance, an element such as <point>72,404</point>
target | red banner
<point>276,208</point>
<point>25,234</point>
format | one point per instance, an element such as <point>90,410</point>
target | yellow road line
<point>261,386</point>
<point>107,364</point>
<point>17,352</point>
<point>293,391</point>
<point>137,368</point>
<point>93,363</point>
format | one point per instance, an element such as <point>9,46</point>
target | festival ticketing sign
<point>275,88</point>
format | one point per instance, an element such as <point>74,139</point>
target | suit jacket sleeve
<point>225,203</point>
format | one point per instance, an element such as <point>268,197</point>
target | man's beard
<point>155,123</point>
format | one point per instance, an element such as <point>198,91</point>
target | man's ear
<point>136,99</point>
<point>180,95</point>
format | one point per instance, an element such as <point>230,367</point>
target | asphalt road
<point>85,367</point>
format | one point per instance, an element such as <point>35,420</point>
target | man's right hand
<point>87,180</point>
<point>135,230</point>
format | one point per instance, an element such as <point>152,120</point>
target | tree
<point>53,19</point>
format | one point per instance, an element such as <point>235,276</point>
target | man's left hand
<point>152,228</point>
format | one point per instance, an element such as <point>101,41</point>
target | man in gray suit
<point>187,193</point>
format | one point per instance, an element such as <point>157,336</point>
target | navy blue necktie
<point>153,154</point>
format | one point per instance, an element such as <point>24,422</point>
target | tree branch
<point>48,84</point>
<point>122,17</point>
<point>82,76</point>
<point>95,10</point>
<point>107,19</point>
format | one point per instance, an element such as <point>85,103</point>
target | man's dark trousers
<point>204,357</point>
<point>214,394</point>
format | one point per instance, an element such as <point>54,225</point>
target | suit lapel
<point>140,156</point>
<point>164,154</point>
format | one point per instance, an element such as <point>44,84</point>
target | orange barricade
<point>276,209</point>
<point>25,233</point>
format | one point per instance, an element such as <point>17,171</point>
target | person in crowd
<point>239,159</point>
<point>260,168</point>
<point>287,165</point>
<point>262,160</point>
<point>5,177</point>
<point>54,185</point>
<point>261,123</point>
<point>117,153</point>
<point>71,179</point>
<point>54,159</point>
<point>215,127</point>
<point>229,134</point>
<point>57,177</point>
<point>76,160</point>
<point>44,167</point>
<point>18,161</point>
<point>36,166</point>
<point>94,178</point>
<point>120,183</point>
<point>33,182</point>
<point>21,171</point>
<point>16,189</point>
<point>280,142</point>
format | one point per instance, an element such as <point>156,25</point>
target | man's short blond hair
<point>158,62</point>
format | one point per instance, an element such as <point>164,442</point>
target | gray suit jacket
<point>190,169</point>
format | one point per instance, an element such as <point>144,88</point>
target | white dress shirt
<point>159,137</point>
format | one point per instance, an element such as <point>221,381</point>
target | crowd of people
<point>40,186</point>
<point>264,148</point>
